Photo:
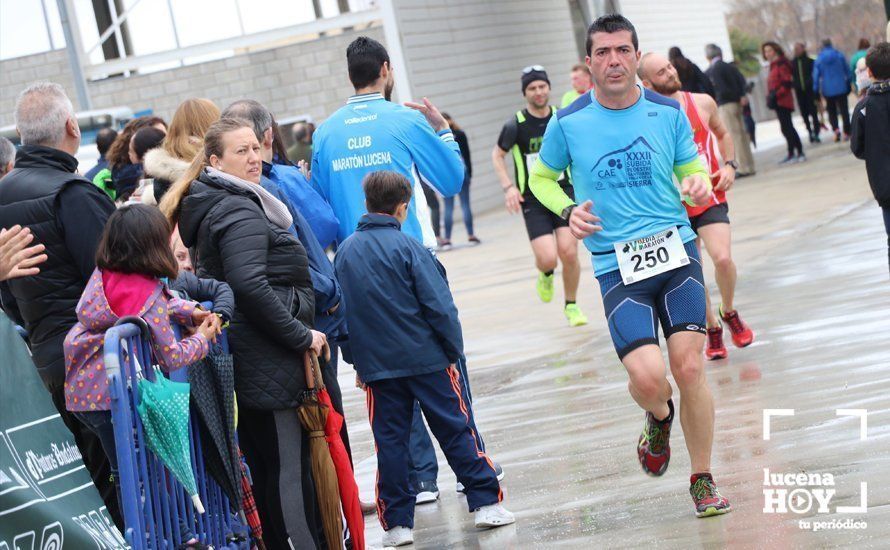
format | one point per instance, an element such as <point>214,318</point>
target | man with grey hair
<point>7,156</point>
<point>730,85</point>
<point>66,213</point>
<point>254,112</point>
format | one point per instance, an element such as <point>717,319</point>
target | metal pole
<point>75,51</point>
<point>175,30</point>
<point>240,18</point>
<point>49,32</point>
<point>394,48</point>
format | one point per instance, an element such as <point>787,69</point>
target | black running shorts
<point>719,213</point>
<point>540,221</point>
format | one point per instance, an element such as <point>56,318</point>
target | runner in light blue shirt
<point>624,145</point>
<point>627,169</point>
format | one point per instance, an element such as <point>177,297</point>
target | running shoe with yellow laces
<point>654,447</point>
<point>545,286</point>
<point>708,500</point>
<point>575,316</point>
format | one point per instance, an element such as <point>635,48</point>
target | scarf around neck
<point>274,209</point>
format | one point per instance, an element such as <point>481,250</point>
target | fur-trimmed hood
<point>159,164</point>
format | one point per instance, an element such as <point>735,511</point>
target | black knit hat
<point>532,74</point>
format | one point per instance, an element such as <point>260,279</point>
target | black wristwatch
<point>567,212</point>
<point>734,164</point>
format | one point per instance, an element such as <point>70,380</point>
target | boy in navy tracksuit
<point>406,338</point>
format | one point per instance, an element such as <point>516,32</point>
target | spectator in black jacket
<point>871,129</point>
<point>66,213</point>
<point>730,85</point>
<point>241,236</point>
<point>802,80</point>
<point>461,138</point>
<point>330,311</point>
<point>692,79</point>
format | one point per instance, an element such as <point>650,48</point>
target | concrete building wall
<point>18,72</point>
<point>690,25</point>
<point>305,78</point>
<point>467,57</point>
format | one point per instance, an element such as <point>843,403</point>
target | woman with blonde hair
<point>184,140</point>
<point>241,236</point>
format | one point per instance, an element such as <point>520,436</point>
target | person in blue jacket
<point>289,178</point>
<point>406,341</point>
<point>371,133</point>
<point>832,79</point>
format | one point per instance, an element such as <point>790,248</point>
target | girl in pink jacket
<point>133,255</point>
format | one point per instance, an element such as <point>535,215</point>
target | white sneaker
<point>493,515</point>
<point>427,491</point>
<point>425,497</point>
<point>398,536</point>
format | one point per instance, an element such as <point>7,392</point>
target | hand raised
<point>432,114</point>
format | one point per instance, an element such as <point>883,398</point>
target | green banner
<point>47,499</point>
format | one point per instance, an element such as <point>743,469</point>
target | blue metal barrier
<point>155,505</point>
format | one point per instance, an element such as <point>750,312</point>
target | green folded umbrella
<point>164,410</point>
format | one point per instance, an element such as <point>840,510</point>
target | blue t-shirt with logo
<point>623,161</point>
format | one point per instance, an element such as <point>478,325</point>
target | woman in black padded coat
<point>239,234</point>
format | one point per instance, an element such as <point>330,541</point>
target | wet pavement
<point>552,403</point>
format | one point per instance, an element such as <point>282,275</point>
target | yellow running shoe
<point>575,316</point>
<point>545,287</point>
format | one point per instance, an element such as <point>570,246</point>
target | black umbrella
<point>213,393</point>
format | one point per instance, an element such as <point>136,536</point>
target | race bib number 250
<point>643,258</point>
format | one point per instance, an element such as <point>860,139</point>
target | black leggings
<point>808,111</point>
<point>789,132</point>
<point>277,451</point>
<point>838,105</point>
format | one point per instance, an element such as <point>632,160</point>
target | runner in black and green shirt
<point>549,234</point>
